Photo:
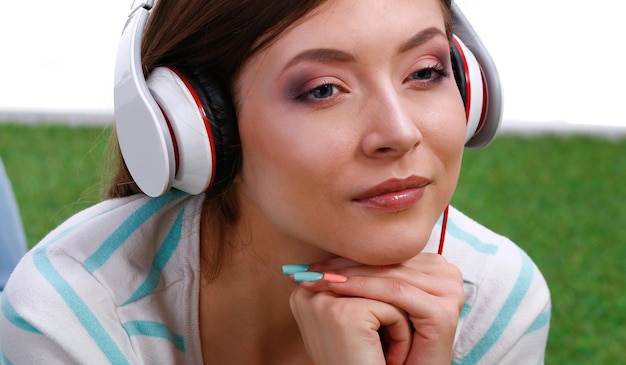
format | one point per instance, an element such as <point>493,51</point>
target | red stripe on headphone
<point>468,83</point>
<point>174,141</point>
<point>205,119</point>
<point>483,111</point>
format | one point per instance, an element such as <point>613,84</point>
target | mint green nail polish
<point>294,268</point>
<point>307,276</point>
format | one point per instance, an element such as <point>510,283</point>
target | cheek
<point>446,139</point>
<point>284,160</point>
<point>446,134</point>
<point>288,178</point>
<point>271,145</point>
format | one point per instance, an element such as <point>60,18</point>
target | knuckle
<point>397,288</point>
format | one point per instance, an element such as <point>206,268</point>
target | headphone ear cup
<point>203,125</point>
<point>222,120</point>
<point>174,127</point>
<point>470,81</point>
<point>190,129</point>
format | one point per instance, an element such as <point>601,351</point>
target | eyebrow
<point>336,56</point>
<point>420,38</point>
<point>322,55</point>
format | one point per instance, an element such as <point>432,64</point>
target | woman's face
<point>352,130</point>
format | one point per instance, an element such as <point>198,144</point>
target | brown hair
<point>218,35</point>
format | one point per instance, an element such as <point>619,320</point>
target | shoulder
<point>507,307</point>
<point>77,291</point>
<point>485,257</point>
<point>116,234</point>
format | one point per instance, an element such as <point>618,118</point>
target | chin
<point>391,251</point>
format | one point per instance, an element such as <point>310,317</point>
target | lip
<point>394,194</point>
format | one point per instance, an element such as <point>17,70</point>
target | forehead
<point>353,23</point>
<point>371,30</point>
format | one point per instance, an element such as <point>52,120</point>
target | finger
<point>396,336</point>
<point>316,281</point>
<point>328,266</point>
<point>427,262</point>
<point>434,318</point>
<point>407,296</point>
<point>446,282</point>
<point>431,274</point>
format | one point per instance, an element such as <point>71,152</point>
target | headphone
<point>175,127</point>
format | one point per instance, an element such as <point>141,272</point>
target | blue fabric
<point>12,239</point>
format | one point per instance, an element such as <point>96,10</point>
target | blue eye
<point>429,74</point>
<point>324,91</point>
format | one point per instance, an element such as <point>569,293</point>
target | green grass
<point>561,199</point>
<point>55,171</point>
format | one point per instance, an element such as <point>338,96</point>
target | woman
<point>345,151</point>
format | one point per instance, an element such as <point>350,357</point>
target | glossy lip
<point>394,194</point>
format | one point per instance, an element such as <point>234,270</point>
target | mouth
<point>394,194</point>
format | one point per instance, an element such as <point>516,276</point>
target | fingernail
<point>335,278</point>
<point>294,268</point>
<point>315,276</point>
<point>307,276</point>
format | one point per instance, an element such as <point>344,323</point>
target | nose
<point>391,130</point>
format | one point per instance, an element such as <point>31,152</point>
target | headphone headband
<point>151,162</point>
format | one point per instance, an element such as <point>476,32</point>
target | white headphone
<point>170,138</point>
<point>478,81</point>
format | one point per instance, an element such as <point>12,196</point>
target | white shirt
<point>119,283</point>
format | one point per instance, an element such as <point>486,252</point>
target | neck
<point>244,312</point>
<point>245,318</point>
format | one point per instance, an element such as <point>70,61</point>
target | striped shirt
<point>119,284</point>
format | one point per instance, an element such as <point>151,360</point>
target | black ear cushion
<point>458,68</point>
<point>220,112</point>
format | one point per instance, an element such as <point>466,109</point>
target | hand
<point>427,290</point>
<point>344,330</point>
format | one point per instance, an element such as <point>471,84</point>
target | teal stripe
<point>465,310</point>
<point>7,309</point>
<point>156,330</point>
<point>79,308</point>
<point>11,314</point>
<point>126,229</point>
<point>5,360</point>
<point>478,245</point>
<point>70,229</point>
<point>161,259</point>
<point>542,320</point>
<point>506,313</point>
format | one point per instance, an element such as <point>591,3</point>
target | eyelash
<point>439,71</point>
<point>308,95</point>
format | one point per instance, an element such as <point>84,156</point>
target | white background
<point>559,60</point>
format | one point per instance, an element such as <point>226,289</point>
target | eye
<point>429,74</point>
<point>324,91</point>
